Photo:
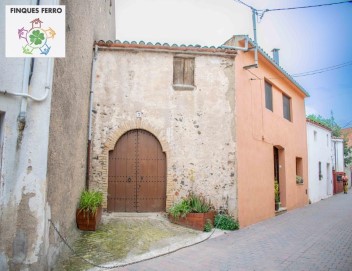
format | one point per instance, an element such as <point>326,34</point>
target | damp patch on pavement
<point>118,238</point>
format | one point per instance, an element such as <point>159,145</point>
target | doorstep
<point>281,211</point>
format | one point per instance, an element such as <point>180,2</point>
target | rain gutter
<point>91,98</point>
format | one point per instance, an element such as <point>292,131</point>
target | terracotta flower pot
<point>88,221</point>
<point>194,221</point>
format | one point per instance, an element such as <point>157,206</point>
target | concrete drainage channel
<point>125,238</point>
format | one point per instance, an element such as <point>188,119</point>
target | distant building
<point>320,177</point>
<point>337,154</point>
<point>347,132</point>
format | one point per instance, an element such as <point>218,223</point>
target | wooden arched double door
<point>137,174</point>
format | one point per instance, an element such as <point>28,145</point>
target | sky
<point>309,39</point>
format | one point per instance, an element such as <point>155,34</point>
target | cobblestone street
<point>316,237</point>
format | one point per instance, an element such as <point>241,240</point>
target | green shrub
<point>180,209</point>
<point>226,222</point>
<point>208,226</point>
<point>90,201</point>
<point>198,204</point>
<point>191,204</point>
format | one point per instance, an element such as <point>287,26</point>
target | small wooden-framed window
<point>286,101</point>
<point>268,96</point>
<point>183,73</point>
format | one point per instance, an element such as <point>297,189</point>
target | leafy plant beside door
<point>277,195</point>
<point>193,211</point>
<point>89,212</point>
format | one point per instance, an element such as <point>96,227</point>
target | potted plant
<point>299,179</point>
<point>277,195</point>
<point>89,212</point>
<point>193,212</point>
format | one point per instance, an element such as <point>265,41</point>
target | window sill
<point>183,87</point>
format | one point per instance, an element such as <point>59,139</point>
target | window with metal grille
<point>183,73</point>
<point>268,96</point>
<point>286,106</point>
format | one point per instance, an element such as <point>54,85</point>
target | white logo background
<point>16,21</point>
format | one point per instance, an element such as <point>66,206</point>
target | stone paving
<point>316,237</point>
<point>125,238</point>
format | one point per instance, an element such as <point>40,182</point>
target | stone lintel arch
<point>111,141</point>
<point>125,127</point>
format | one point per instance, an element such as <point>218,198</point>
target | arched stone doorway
<point>137,174</point>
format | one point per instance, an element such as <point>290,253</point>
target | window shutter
<point>178,70</point>
<point>188,78</point>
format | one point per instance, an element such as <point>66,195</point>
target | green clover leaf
<point>36,37</point>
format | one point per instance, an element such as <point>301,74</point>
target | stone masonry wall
<point>196,128</point>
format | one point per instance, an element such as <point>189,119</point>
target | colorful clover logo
<point>36,38</point>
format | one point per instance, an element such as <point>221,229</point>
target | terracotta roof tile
<point>165,46</point>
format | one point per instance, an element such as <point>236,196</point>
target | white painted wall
<point>337,154</point>
<point>319,150</point>
<point>23,210</point>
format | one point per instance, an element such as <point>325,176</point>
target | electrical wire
<point>312,6</point>
<point>261,12</point>
<point>291,8</point>
<point>327,69</point>
<point>313,72</point>
<point>241,2</point>
<point>347,124</point>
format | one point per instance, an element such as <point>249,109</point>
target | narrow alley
<point>316,237</point>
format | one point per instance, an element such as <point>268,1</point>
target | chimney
<point>276,55</point>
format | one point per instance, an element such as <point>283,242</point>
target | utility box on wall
<point>338,184</point>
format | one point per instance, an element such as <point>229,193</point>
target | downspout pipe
<point>91,96</point>
<point>25,87</point>
<point>27,75</point>
<point>254,21</point>
<point>245,48</point>
<point>23,109</point>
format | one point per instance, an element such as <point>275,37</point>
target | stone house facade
<point>44,143</point>
<point>209,117</point>
<point>184,97</point>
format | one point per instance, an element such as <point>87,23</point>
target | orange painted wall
<point>258,130</point>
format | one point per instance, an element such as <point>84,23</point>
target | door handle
<point>129,179</point>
